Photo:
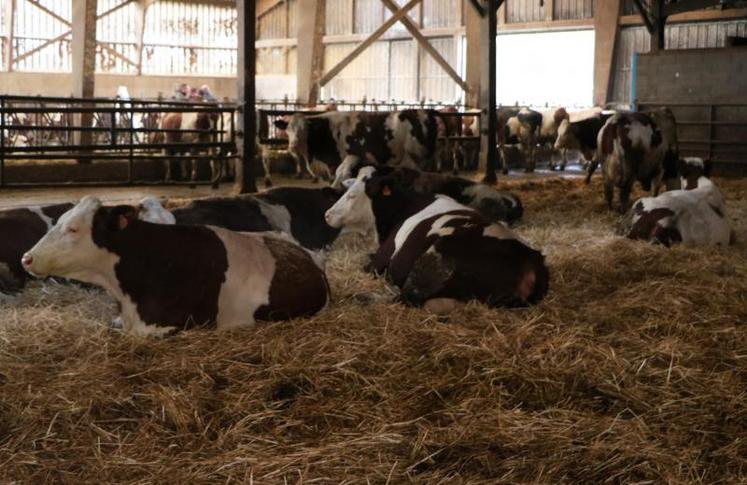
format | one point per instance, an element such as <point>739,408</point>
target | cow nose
<point>27,260</point>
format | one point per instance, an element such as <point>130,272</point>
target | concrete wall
<point>60,84</point>
<point>693,75</point>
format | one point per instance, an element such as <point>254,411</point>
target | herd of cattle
<point>229,261</point>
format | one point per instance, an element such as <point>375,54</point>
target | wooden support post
<point>10,7</point>
<point>472,23</point>
<point>142,8</point>
<point>549,10</point>
<point>658,22</point>
<point>310,50</point>
<point>606,26</point>
<point>488,148</point>
<point>246,132</point>
<point>84,61</point>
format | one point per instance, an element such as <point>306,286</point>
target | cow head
<point>69,250</point>
<point>692,170</point>
<point>353,210</point>
<point>567,136</point>
<point>151,210</point>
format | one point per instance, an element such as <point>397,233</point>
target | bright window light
<point>555,68</point>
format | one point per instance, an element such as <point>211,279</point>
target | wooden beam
<point>644,15</point>
<point>683,6</point>
<point>366,43</point>
<point>549,10</point>
<point>84,61</point>
<point>264,6</point>
<point>606,27</point>
<point>246,131</point>
<point>41,46</point>
<point>489,119</point>
<point>545,25</point>
<point>114,9</point>
<point>50,12</point>
<point>427,46</point>
<point>116,54</point>
<point>697,16</point>
<point>310,50</point>
<point>477,7</point>
<point>658,22</point>
<point>10,8</point>
<point>142,10</point>
<point>472,22</point>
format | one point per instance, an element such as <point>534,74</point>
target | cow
<point>548,133</point>
<point>338,139</point>
<point>695,215</point>
<point>630,147</point>
<point>190,127</point>
<point>437,251</point>
<point>520,128</point>
<point>21,229</point>
<point>294,211</point>
<point>581,135</point>
<point>168,278</point>
<point>494,205</point>
<point>447,150</point>
<point>469,150</point>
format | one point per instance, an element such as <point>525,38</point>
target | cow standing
<point>630,147</point>
<point>169,278</point>
<point>695,215</point>
<point>338,139</point>
<point>186,128</point>
<point>581,135</point>
<point>548,133</point>
<point>519,128</point>
<point>437,251</point>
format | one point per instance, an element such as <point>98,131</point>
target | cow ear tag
<point>386,191</point>
<point>123,222</point>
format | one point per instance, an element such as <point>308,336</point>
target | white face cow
<point>151,210</point>
<point>68,250</point>
<point>353,210</point>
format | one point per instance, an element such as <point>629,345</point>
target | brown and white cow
<point>581,134</point>
<point>548,133</point>
<point>437,251</point>
<point>630,147</point>
<point>521,127</point>
<point>695,215</point>
<point>169,277</point>
<point>21,229</point>
<point>338,139</point>
<point>188,128</point>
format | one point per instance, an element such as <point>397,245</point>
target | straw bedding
<point>632,370</point>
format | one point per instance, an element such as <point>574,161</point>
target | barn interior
<point>631,369</point>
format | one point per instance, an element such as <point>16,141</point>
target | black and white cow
<point>521,128</point>
<point>294,211</point>
<point>403,138</point>
<point>169,277</point>
<point>494,205</point>
<point>694,215</point>
<point>548,134</point>
<point>631,147</point>
<point>581,135</point>
<point>437,251</point>
<point>21,229</point>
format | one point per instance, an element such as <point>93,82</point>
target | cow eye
<point>72,230</point>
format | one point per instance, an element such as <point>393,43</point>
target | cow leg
<point>343,172</point>
<point>531,162</point>
<point>563,159</point>
<point>503,151</point>
<point>590,169</point>
<point>216,169</point>
<point>266,167</point>
<point>310,171</point>
<point>625,190</point>
<point>167,165</point>
<point>609,192</point>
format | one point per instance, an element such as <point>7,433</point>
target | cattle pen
<point>373,241</point>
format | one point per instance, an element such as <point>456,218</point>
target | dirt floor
<point>633,370</point>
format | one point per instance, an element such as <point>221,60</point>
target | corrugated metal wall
<point>573,9</point>
<point>628,6</point>
<point>678,36</point>
<point>403,71</point>
<point>524,11</point>
<point>435,84</point>
<point>367,76</point>
<point>339,17</point>
<point>442,13</point>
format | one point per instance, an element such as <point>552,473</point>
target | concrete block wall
<point>694,75</point>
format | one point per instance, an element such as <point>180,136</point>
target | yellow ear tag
<point>387,191</point>
<point>123,222</point>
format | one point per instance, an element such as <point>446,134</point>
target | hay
<point>632,370</point>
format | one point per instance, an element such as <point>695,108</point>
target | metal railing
<point>103,129</point>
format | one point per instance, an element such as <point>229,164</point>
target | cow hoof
<point>504,171</point>
<point>315,180</point>
<point>268,183</point>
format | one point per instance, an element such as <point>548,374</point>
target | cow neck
<point>392,210</point>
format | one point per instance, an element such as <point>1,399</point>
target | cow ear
<point>280,124</point>
<point>120,217</point>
